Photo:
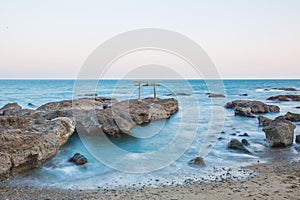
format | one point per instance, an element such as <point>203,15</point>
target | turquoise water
<point>208,141</point>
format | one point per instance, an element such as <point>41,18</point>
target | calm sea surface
<point>207,141</point>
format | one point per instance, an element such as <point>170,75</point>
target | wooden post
<point>154,88</point>
<point>140,99</point>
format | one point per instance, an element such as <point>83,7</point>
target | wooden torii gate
<point>140,84</point>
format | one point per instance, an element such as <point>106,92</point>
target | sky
<point>244,38</point>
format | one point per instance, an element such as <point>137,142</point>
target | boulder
<point>255,106</point>
<point>279,133</point>
<point>212,95</point>
<point>29,144</point>
<point>264,121</point>
<point>285,98</point>
<point>197,161</point>
<point>294,117</point>
<point>78,159</point>
<point>298,138</point>
<point>246,112</point>
<point>10,109</point>
<point>237,145</point>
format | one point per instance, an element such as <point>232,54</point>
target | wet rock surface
<point>78,159</point>
<point>248,108</point>
<point>29,138</point>
<point>197,161</point>
<point>279,133</point>
<point>285,98</point>
<point>264,121</point>
<point>237,145</point>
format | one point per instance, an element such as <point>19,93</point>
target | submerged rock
<point>247,107</point>
<point>30,105</point>
<point>78,159</point>
<point>197,161</point>
<point>245,142</point>
<point>212,95</point>
<point>237,145</point>
<point>285,98</point>
<point>244,135</point>
<point>286,89</point>
<point>264,121</point>
<point>279,133</point>
<point>178,94</point>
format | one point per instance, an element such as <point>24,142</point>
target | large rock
<point>125,115</point>
<point>279,133</point>
<point>247,107</point>
<point>285,98</point>
<point>29,138</point>
<point>28,144</point>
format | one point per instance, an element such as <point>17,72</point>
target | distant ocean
<point>60,173</point>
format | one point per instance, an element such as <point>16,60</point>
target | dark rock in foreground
<point>237,145</point>
<point>264,121</point>
<point>279,133</point>
<point>247,108</point>
<point>78,159</point>
<point>197,161</point>
<point>285,98</point>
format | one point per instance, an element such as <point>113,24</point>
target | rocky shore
<point>29,138</point>
<point>274,181</point>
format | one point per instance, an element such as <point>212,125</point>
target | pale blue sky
<point>244,38</point>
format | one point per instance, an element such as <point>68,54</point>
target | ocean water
<point>201,127</point>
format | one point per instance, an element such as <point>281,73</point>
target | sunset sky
<point>245,39</point>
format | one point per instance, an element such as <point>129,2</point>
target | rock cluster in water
<point>29,138</point>
<point>249,108</point>
<point>285,98</point>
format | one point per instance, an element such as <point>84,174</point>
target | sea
<point>160,151</point>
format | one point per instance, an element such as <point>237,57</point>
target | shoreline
<point>274,181</point>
